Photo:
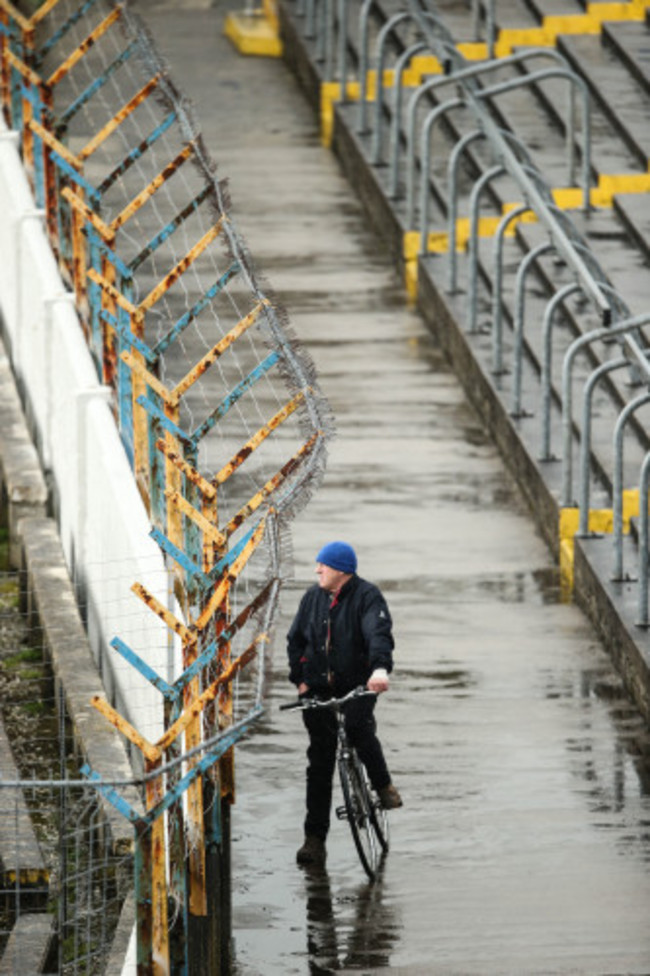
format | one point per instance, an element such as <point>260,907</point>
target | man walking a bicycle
<point>341,638</point>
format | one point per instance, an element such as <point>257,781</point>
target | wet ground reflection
<point>355,931</point>
<point>524,843</point>
<point>614,775</point>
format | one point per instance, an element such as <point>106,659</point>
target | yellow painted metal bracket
<point>24,70</point>
<point>23,22</point>
<point>119,117</point>
<point>172,398</point>
<point>209,530</point>
<point>165,174</point>
<point>81,50</point>
<point>218,350</point>
<point>196,707</point>
<point>271,484</point>
<point>43,11</point>
<point>108,231</point>
<point>207,489</point>
<point>221,590</point>
<point>162,287</point>
<point>151,752</point>
<point>174,624</point>
<point>254,442</point>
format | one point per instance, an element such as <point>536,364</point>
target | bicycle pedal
<point>341,813</point>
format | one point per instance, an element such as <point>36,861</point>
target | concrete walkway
<point>523,844</point>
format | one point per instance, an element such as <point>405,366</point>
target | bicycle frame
<point>361,806</point>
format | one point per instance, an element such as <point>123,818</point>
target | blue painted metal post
<point>123,376</point>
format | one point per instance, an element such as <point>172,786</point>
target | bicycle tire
<point>357,805</point>
<point>378,816</point>
<point>379,822</point>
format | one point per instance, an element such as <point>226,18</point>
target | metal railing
<point>405,58</point>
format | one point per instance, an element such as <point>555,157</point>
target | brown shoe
<point>312,851</point>
<point>390,798</point>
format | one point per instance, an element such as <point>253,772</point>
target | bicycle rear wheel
<point>359,813</point>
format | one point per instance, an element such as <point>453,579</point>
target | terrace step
<point>631,44</point>
<point>634,212</point>
<point>625,101</point>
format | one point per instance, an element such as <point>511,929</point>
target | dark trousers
<point>361,729</point>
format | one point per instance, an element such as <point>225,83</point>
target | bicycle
<point>361,806</point>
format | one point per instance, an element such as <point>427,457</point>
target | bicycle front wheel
<point>359,813</point>
<point>379,821</point>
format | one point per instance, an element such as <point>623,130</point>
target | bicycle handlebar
<point>304,703</point>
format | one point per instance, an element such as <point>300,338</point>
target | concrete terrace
<point>611,58</point>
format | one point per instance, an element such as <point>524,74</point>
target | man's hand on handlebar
<point>305,701</point>
<point>378,681</point>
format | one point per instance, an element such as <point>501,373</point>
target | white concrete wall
<point>103,523</point>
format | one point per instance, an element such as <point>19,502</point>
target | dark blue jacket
<point>361,637</point>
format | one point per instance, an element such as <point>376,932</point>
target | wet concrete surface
<point>524,842</point>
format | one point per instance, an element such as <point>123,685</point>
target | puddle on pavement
<point>445,679</point>
<point>542,586</point>
<point>549,585</point>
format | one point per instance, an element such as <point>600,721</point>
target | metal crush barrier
<point>409,76</point>
<point>218,411</point>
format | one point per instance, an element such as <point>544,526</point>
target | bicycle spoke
<point>377,817</point>
<point>357,803</point>
<point>379,820</point>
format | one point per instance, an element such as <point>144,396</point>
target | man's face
<point>330,579</point>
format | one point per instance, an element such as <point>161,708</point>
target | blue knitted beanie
<point>338,555</point>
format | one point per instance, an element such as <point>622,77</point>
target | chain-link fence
<point>224,429</point>
<point>63,876</point>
